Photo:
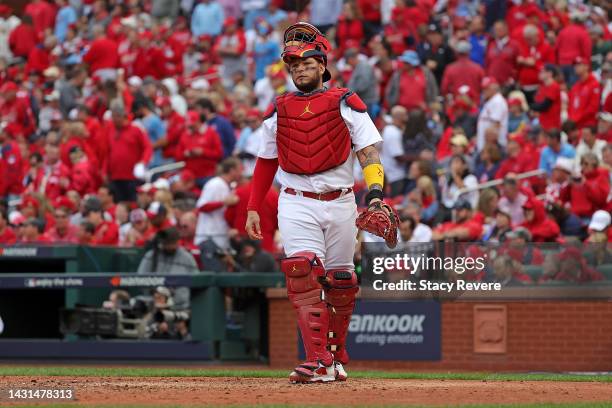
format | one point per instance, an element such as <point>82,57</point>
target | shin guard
<point>340,291</point>
<point>303,272</point>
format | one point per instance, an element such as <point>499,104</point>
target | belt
<point>329,196</point>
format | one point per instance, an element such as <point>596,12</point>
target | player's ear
<point>321,68</point>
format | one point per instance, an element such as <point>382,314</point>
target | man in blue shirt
<point>65,16</point>
<point>155,128</point>
<point>207,18</point>
<point>554,149</point>
<point>223,126</point>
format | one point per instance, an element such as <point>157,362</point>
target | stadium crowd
<point>468,95</point>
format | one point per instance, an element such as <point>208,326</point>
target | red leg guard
<point>340,292</point>
<point>304,288</point>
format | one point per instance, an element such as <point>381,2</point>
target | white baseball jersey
<point>363,133</point>
<point>212,224</point>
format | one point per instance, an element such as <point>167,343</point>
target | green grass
<point>44,371</point>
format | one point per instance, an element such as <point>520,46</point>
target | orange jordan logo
<point>306,110</point>
<point>293,269</point>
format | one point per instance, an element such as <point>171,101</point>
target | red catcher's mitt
<point>380,219</point>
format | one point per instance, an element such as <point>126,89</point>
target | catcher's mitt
<point>380,219</point>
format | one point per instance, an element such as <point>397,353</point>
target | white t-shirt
<point>495,110</point>
<point>450,194</point>
<point>421,233</point>
<point>363,133</point>
<point>392,147</point>
<point>212,224</point>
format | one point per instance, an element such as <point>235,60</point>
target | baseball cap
<point>156,208</point>
<point>16,218</point>
<point>488,81</point>
<point>514,102</point>
<point>459,140</point>
<point>187,175</point>
<point>600,221</point>
<point>565,164</point>
<point>64,202</point>
<point>410,57</point>
<point>9,86</point>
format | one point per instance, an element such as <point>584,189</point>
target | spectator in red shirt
<point>573,42</point>
<point>231,47</point>
<point>175,127</point>
<point>200,147</point>
<point>7,235</point>
<point>547,101</point>
<point>462,72</point>
<point>149,58</point>
<point>502,52</point>
<point>102,56</point>
<point>63,231</point>
<point>40,57</point>
<point>570,266</point>
<point>43,16</point>
<point>11,166</point>
<point>129,151</point>
<point>370,10</point>
<point>542,228</point>
<point>584,96</point>
<point>82,177</point>
<point>534,53</point>
<point>140,229</point>
<point>53,178</point>
<point>15,111</point>
<point>23,38</point>
<point>349,29</point>
<point>466,227</point>
<point>412,85</point>
<point>588,192</point>
<point>33,232</point>
<point>105,232</point>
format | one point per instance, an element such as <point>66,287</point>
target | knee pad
<point>303,272</point>
<point>340,291</point>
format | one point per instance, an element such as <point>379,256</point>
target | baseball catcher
<point>311,135</point>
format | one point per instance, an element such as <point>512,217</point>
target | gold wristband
<point>374,174</point>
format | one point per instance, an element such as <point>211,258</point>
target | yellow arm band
<point>374,174</point>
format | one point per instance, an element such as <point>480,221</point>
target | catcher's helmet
<point>303,40</point>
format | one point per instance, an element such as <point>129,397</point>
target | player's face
<point>307,73</point>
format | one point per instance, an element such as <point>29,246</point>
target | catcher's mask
<point>303,40</point>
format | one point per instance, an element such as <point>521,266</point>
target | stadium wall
<point>540,336</point>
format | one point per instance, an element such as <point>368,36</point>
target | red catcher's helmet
<point>303,40</point>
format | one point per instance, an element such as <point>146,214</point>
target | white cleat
<point>304,374</point>
<point>341,374</point>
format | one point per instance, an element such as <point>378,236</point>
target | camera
<point>171,316</point>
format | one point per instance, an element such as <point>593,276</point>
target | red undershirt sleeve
<point>263,176</point>
<point>212,206</point>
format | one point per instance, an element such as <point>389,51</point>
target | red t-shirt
<point>413,89</point>
<point>102,54</point>
<point>551,118</point>
<point>7,236</point>
<point>107,233</point>
<point>205,163</point>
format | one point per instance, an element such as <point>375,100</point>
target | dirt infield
<point>113,391</point>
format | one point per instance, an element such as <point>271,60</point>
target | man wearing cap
<point>465,226</point>
<point>311,135</point>
<point>412,86</point>
<point>547,101</point>
<point>584,96</point>
<point>494,114</point>
<point>462,72</point>
<point>589,189</point>
<point>599,227</point>
<point>534,53</point>
<point>105,232</point>
<point>434,52</point>
<point>63,231</point>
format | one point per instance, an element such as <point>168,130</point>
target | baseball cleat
<point>341,374</point>
<point>309,373</point>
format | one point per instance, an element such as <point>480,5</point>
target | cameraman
<point>165,323</point>
<point>167,257</point>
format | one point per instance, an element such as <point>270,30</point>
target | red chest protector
<point>311,135</point>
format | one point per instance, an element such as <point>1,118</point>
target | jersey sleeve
<point>362,129</point>
<point>267,146</point>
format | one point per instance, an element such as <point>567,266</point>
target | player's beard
<point>311,85</point>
